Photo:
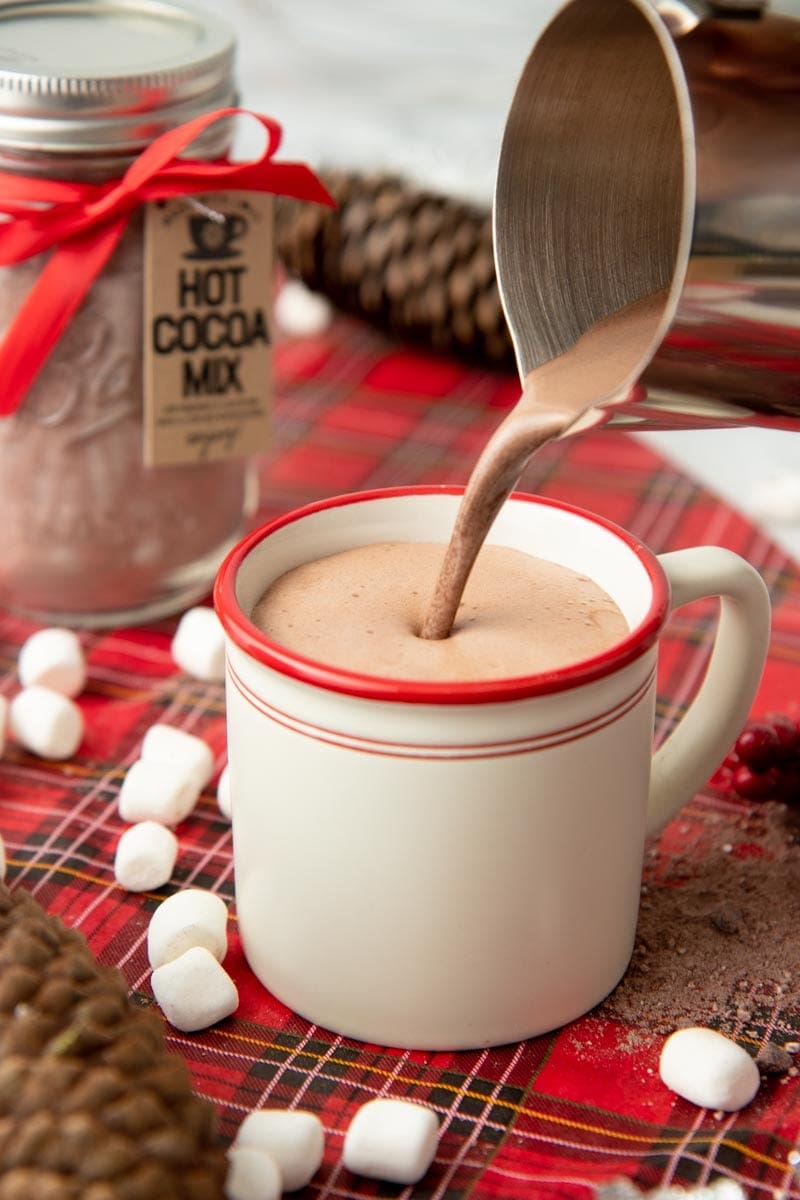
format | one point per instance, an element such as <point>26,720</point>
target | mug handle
<point>714,719</point>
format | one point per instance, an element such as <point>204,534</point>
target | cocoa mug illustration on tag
<point>450,864</point>
<point>215,235</point>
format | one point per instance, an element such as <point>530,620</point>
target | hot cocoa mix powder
<point>718,939</point>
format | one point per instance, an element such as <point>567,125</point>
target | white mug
<point>456,865</point>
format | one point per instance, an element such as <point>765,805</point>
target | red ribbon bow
<point>84,222</point>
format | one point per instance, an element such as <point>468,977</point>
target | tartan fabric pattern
<point>552,1117</point>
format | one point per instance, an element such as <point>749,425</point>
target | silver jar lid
<point>104,77</point>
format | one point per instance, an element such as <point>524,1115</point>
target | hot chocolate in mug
<point>454,865</point>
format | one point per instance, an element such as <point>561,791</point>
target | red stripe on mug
<point>476,750</point>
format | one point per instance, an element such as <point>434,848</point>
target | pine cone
<point>416,263</point>
<point>92,1105</point>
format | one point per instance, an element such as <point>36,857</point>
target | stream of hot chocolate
<point>559,397</point>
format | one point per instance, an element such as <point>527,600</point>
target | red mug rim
<point>244,634</point>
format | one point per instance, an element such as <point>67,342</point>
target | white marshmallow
<point>198,646</point>
<point>53,658</point>
<point>46,723</point>
<point>145,856</point>
<point>192,917</point>
<point>624,1189</point>
<point>709,1069</point>
<point>252,1175</point>
<point>194,991</point>
<point>294,1138</point>
<point>157,791</point>
<point>165,743</point>
<point>3,863</point>
<point>393,1140</point>
<point>300,312</point>
<point>224,793</point>
<point>3,722</point>
<point>777,498</point>
<point>721,1189</point>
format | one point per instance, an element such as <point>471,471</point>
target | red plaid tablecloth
<point>551,1117</point>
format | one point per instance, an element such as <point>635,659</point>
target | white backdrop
<point>422,86</point>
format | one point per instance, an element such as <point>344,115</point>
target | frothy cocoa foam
<point>519,615</point>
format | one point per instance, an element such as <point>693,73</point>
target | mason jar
<point>89,534</point>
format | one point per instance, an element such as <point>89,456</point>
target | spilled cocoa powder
<point>718,939</point>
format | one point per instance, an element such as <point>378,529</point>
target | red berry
<point>753,785</point>
<point>788,736</point>
<point>757,746</point>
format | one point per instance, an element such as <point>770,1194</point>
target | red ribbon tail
<point>292,179</point>
<point>298,181</point>
<point>49,307</point>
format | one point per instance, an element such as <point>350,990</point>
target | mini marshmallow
<point>198,646</point>
<point>46,723</point>
<point>624,1189</point>
<point>393,1140</point>
<point>3,722</point>
<point>294,1138</point>
<point>3,863</point>
<point>709,1069</point>
<point>194,991</point>
<point>158,791</point>
<point>252,1175</point>
<point>192,917</point>
<point>300,312</point>
<point>54,659</point>
<point>165,743</point>
<point>777,498</point>
<point>145,856</point>
<point>224,793</point>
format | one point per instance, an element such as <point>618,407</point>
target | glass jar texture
<point>90,534</point>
